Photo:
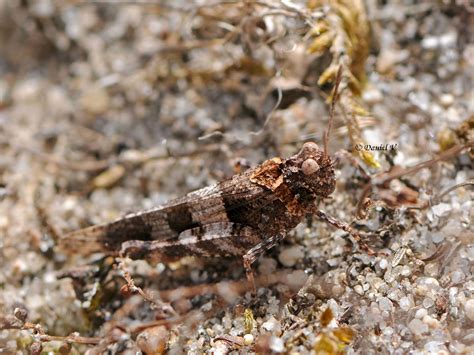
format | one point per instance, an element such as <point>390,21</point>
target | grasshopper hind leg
<point>253,254</point>
<point>210,240</point>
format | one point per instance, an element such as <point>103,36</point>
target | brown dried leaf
<point>325,345</point>
<point>321,43</point>
<point>109,177</point>
<point>446,139</point>
<point>326,317</point>
<point>328,75</point>
<point>344,334</point>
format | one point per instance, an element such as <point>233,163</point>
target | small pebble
<point>272,326</point>
<point>441,209</point>
<point>417,327</point>
<point>405,304</point>
<point>277,344</point>
<point>431,42</point>
<point>394,295</point>
<point>95,100</point>
<point>4,222</point>
<point>457,276</point>
<point>428,302</point>
<point>383,264</point>
<point>435,347</point>
<point>358,289</point>
<point>406,271</point>
<point>431,322</point>
<point>267,266</point>
<point>437,237</point>
<point>377,283</point>
<point>290,256</point>
<point>469,286</point>
<point>469,309</point>
<point>153,340</point>
<point>421,313</point>
<point>429,282</point>
<point>26,90</point>
<point>431,269</point>
<point>372,96</point>
<point>385,304</point>
<point>446,100</point>
<point>248,339</point>
<point>389,277</point>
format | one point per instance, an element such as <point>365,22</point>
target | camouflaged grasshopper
<point>243,216</point>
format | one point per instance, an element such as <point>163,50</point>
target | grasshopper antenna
<point>334,98</point>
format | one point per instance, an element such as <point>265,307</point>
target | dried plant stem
<point>130,287</point>
<point>383,178</point>
<point>437,199</point>
<point>11,322</point>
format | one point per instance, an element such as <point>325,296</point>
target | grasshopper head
<point>310,173</point>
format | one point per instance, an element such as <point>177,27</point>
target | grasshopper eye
<point>309,166</point>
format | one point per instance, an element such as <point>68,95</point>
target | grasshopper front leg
<point>346,228</point>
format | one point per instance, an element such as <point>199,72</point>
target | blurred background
<point>109,107</point>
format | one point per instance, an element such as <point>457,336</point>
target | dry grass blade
<point>334,98</point>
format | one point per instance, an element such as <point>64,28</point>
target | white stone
<point>457,276</point>
<point>421,313</point>
<point>429,282</point>
<point>405,303</point>
<point>4,221</point>
<point>383,264</point>
<point>267,266</point>
<point>430,42</point>
<point>290,256</point>
<point>417,327</point>
<point>446,100</point>
<point>248,339</point>
<point>441,209</point>
<point>277,344</point>
<point>431,322</point>
<point>406,271</point>
<point>372,96</point>
<point>434,347</point>
<point>95,100</point>
<point>272,325</point>
<point>385,304</point>
<point>377,283</point>
<point>437,237</point>
<point>469,286</point>
<point>358,289</point>
<point>428,302</point>
<point>469,309</point>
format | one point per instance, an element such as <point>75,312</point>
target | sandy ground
<point>107,109</point>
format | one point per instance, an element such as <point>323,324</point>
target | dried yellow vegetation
<point>344,32</point>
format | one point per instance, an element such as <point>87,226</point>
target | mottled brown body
<point>242,216</point>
